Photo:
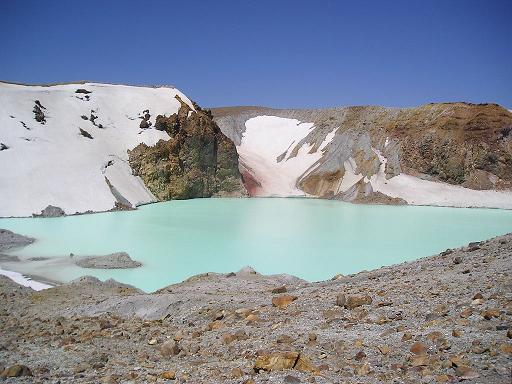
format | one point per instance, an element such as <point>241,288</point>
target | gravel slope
<point>443,318</point>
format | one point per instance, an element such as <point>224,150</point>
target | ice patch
<point>25,281</point>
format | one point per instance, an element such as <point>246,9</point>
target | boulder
<point>276,361</point>
<point>283,301</point>
<point>51,211</point>
<point>354,301</point>
<point>16,371</point>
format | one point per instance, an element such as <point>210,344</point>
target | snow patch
<point>350,177</point>
<point>25,281</point>
<point>424,192</point>
<point>265,140</point>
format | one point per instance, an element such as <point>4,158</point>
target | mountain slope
<point>450,154</point>
<point>67,145</point>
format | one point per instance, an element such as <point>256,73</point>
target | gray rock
<point>51,211</point>
<point>10,240</point>
<point>117,260</point>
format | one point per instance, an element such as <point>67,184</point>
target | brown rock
<point>276,361</point>
<point>406,336</point>
<point>215,325</point>
<point>252,318</point>
<point>228,338</point>
<point>355,301</point>
<point>341,300</point>
<point>284,339</point>
<point>384,349</point>
<point>419,361</point>
<point>281,289</point>
<point>282,302</point>
<point>490,313</point>
<point>418,348</point>
<point>457,260</point>
<point>305,365</point>
<point>362,370</point>
<point>456,333</point>
<point>169,348</point>
<point>168,375</point>
<point>466,313</point>
<point>456,361</point>
<point>16,371</point>
<point>312,339</point>
<point>289,379</point>
<point>443,378</point>
<point>236,373</point>
<point>466,373</point>
<point>434,335</point>
<point>144,124</point>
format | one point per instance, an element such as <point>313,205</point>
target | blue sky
<point>273,53</point>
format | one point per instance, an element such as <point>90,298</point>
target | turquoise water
<point>312,239</point>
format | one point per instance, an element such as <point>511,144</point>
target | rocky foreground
<point>445,318</point>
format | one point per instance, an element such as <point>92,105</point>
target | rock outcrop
<point>197,161</point>
<point>10,240</point>
<point>117,260</point>
<point>50,211</point>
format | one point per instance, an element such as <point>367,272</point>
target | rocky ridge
<point>445,318</point>
<point>462,144</point>
<point>197,161</point>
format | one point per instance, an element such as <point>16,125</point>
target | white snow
<point>264,140</point>
<point>25,281</point>
<point>417,191</point>
<point>350,177</point>
<point>52,164</point>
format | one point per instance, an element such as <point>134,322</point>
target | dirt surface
<point>444,318</point>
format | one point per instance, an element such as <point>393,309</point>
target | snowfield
<point>265,152</point>
<point>55,164</point>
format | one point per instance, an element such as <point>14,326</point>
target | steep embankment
<point>450,154</point>
<point>66,147</point>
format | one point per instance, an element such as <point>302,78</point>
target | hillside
<point>64,148</point>
<point>440,319</point>
<point>450,154</point>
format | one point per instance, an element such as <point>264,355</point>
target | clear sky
<point>273,53</point>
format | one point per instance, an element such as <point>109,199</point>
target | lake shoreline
<point>283,234</point>
<point>369,202</point>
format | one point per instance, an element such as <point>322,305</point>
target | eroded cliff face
<point>197,160</point>
<point>457,143</point>
<point>455,154</point>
